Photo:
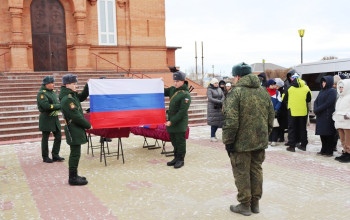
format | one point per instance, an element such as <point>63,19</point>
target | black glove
<point>229,148</point>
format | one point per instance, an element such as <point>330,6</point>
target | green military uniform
<point>75,125</point>
<point>180,100</point>
<point>49,107</point>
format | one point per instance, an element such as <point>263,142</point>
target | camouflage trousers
<point>248,174</point>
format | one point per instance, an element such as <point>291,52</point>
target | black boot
<point>57,158</point>
<point>173,162</point>
<point>82,177</point>
<point>291,149</point>
<point>345,158</point>
<point>254,206</point>
<point>180,161</point>
<point>47,160</point>
<point>340,157</point>
<point>75,180</point>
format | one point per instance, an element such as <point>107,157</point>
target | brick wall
<point>140,28</point>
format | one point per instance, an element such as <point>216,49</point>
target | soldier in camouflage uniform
<point>177,121</point>
<point>249,115</point>
<point>49,107</point>
<point>75,124</point>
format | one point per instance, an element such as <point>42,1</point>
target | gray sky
<point>233,31</point>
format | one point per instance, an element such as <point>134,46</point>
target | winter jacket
<point>214,109</point>
<point>74,116</point>
<point>297,97</point>
<point>275,98</point>
<point>180,100</point>
<point>324,107</point>
<point>249,115</point>
<point>49,107</point>
<point>342,106</point>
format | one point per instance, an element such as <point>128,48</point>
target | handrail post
<point>5,62</point>
<point>95,63</point>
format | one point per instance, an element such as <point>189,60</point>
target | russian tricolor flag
<point>126,102</point>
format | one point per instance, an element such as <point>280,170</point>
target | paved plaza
<point>298,185</point>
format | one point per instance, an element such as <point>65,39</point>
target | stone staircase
<point>19,116</point>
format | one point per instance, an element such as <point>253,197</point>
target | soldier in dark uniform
<point>75,124</point>
<point>177,120</point>
<point>49,107</point>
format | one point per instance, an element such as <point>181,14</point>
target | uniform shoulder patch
<point>70,96</point>
<point>71,105</point>
<point>42,96</point>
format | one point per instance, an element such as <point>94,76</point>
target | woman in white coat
<point>341,118</point>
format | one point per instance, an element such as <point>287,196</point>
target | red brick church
<point>83,35</point>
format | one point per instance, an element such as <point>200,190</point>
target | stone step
<point>18,128</point>
<point>19,118</point>
<point>196,116</point>
<point>197,121</point>
<point>20,137</point>
<point>25,96</point>
<point>16,113</point>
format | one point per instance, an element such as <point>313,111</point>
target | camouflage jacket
<point>249,115</point>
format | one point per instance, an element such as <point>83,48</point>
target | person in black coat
<point>215,117</point>
<point>222,85</point>
<point>324,106</point>
<point>262,78</point>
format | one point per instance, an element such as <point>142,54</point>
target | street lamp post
<point>301,34</point>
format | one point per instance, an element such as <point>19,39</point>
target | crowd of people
<point>258,111</point>
<point>291,99</point>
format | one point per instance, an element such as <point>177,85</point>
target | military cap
<point>48,80</point>
<point>179,76</point>
<point>69,78</point>
<point>241,69</point>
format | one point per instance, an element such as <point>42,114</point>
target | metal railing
<point>3,54</point>
<point>118,68</point>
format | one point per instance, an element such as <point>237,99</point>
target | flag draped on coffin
<point>126,102</point>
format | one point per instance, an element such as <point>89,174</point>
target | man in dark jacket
<point>249,116</point>
<point>49,107</point>
<point>75,124</point>
<point>177,121</point>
